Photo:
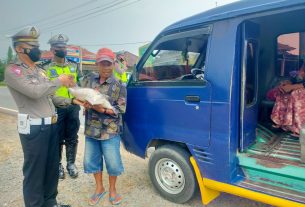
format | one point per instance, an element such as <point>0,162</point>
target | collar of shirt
<point>60,64</point>
<point>109,80</point>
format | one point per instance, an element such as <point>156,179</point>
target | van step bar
<point>273,190</point>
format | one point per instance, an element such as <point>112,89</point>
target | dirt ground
<point>134,185</point>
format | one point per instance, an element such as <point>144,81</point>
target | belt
<point>46,120</point>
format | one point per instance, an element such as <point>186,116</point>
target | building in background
<point>87,59</point>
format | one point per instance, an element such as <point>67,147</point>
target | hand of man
<point>109,111</point>
<point>66,80</point>
<point>99,108</point>
<point>87,105</point>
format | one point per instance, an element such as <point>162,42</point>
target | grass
<point>2,83</point>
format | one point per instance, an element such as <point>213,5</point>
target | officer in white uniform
<point>32,91</point>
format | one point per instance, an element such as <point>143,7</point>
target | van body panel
<point>233,10</point>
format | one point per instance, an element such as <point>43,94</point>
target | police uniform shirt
<point>73,67</point>
<point>31,89</point>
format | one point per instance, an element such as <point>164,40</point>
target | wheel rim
<point>169,176</point>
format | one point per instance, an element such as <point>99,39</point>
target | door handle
<point>192,99</point>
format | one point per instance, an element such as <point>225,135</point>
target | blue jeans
<point>97,150</point>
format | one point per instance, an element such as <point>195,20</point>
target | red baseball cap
<point>105,54</point>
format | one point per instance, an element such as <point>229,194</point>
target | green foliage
<point>9,55</point>
<point>2,68</point>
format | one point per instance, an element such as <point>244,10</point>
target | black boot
<point>71,151</point>
<point>61,168</point>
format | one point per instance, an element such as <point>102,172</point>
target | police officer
<point>67,107</point>
<point>120,68</point>
<point>31,90</point>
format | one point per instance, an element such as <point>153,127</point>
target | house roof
<point>86,54</point>
<point>131,59</point>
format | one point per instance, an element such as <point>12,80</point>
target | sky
<point>93,24</point>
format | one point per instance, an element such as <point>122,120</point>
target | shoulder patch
<point>15,69</point>
<point>53,73</point>
<point>45,63</point>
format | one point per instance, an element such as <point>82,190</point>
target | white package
<point>92,96</point>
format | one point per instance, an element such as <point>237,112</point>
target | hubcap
<point>169,176</point>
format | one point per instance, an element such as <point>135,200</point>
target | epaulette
<point>72,61</point>
<point>44,63</point>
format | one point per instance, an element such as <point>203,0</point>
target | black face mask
<point>34,53</point>
<point>61,53</point>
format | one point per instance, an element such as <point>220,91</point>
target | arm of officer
<point>16,79</point>
<point>61,101</point>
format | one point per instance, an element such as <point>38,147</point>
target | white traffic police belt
<point>46,121</point>
<point>25,122</point>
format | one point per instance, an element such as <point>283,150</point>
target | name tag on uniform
<point>23,124</point>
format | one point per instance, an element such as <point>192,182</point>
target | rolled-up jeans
<point>98,150</point>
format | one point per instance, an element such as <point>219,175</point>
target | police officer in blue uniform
<point>32,91</point>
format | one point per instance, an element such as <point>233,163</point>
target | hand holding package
<point>92,96</point>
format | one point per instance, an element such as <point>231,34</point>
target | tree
<point>9,55</point>
<point>2,68</point>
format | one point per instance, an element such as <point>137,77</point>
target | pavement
<point>134,185</point>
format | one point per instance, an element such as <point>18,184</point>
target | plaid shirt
<point>99,125</point>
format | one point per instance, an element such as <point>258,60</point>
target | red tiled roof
<point>86,54</point>
<point>131,59</point>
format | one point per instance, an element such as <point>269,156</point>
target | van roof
<point>235,9</point>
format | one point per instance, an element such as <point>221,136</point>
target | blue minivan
<point>198,97</point>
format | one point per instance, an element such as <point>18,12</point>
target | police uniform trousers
<point>68,125</point>
<point>40,168</point>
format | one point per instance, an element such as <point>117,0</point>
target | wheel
<point>172,174</point>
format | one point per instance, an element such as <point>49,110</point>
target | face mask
<point>61,53</point>
<point>34,53</point>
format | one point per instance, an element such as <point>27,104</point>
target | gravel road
<point>134,185</point>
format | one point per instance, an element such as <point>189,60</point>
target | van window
<point>290,52</point>
<point>174,58</point>
<point>251,71</point>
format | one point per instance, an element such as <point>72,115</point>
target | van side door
<point>169,98</point>
<point>249,84</point>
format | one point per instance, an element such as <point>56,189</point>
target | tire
<point>172,174</point>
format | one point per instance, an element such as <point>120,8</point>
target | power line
<point>85,15</point>
<point>111,44</point>
<point>58,14</point>
<point>90,17</point>
<point>59,21</point>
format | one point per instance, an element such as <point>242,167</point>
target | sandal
<point>95,198</point>
<point>116,200</point>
